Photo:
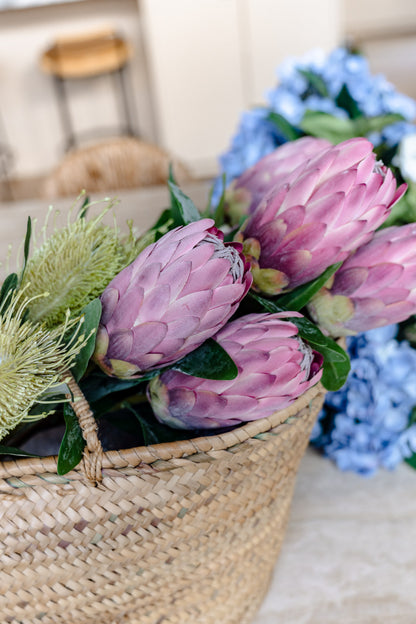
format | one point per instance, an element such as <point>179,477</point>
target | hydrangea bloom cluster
<point>257,136</point>
<point>365,425</point>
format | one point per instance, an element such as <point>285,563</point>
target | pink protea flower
<point>333,206</point>
<point>177,293</point>
<point>376,286</point>
<point>275,366</point>
<point>281,166</point>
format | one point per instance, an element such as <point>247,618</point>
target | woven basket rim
<point>166,451</point>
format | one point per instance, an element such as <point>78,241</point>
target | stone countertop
<point>349,554</point>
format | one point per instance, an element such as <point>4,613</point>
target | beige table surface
<point>349,555</point>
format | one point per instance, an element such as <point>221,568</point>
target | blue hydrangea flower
<point>256,136</point>
<point>364,426</point>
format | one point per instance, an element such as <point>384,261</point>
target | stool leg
<point>64,113</point>
<point>121,82</point>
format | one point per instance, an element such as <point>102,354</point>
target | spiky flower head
<point>74,265</point>
<point>32,360</point>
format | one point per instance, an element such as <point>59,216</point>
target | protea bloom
<point>333,206</point>
<point>275,366</point>
<point>281,166</point>
<point>375,286</point>
<point>177,293</point>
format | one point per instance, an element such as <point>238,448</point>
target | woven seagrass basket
<point>180,533</point>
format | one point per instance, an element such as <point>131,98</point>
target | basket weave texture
<point>180,533</point>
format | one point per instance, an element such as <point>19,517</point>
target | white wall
<point>212,59</point>
<point>27,100</point>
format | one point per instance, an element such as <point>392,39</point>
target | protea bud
<point>376,286</point>
<point>275,366</point>
<point>334,205</point>
<point>177,293</point>
<point>281,166</point>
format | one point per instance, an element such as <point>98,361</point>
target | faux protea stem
<point>281,166</point>
<point>275,366</point>
<point>32,361</point>
<point>74,264</point>
<point>333,206</point>
<point>177,293</point>
<point>376,286</point>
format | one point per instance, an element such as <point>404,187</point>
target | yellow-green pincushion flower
<point>33,360</point>
<point>74,265</point>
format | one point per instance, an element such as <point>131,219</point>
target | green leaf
<point>97,385</point>
<point>27,244</point>
<point>92,315</point>
<point>411,461</point>
<point>285,128</point>
<point>327,126</point>
<point>209,361</point>
<point>12,450</point>
<point>73,443</point>
<point>185,207</point>
<point>336,361</point>
<point>345,100</point>
<point>9,284</point>
<point>376,124</point>
<point>153,431</point>
<point>298,298</point>
<point>219,215</point>
<point>84,208</point>
<point>315,81</point>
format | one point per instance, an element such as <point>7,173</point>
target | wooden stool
<point>86,56</point>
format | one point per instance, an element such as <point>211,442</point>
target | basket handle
<point>93,452</point>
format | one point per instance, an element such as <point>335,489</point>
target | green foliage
<point>300,297</point>
<point>73,443</point>
<point>26,245</point>
<point>209,361</point>
<point>12,450</point>
<point>92,315</point>
<point>289,132</point>
<point>8,286</point>
<point>183,208</point>
<point>315,81</point>
<point>345,100</point>
<point>336,130</point>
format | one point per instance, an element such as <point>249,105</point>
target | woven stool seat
<point>119,163</point>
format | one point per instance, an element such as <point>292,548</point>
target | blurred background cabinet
<point>195,66</point>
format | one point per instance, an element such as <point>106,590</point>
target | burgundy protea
<point>376,286</point>
<point>177,293</point>
<point>275,366</point>
<point>333,206</point>
<point>281,166</point>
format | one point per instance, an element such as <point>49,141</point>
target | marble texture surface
<point>349,554</point>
